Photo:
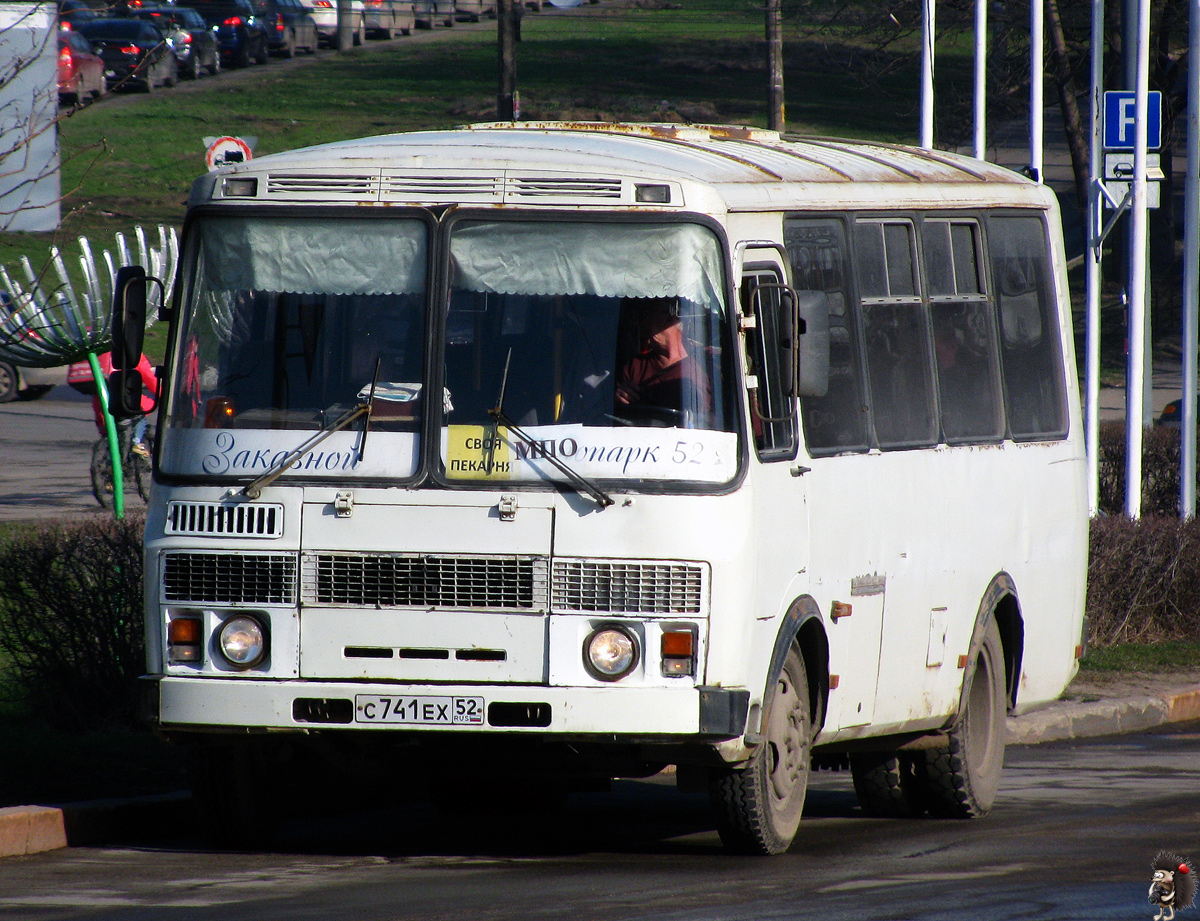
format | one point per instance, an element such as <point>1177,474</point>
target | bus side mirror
<point>125,394</point>
<point>813,309</point>
<point>128,317</point>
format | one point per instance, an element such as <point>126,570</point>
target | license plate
<point>420,711</point>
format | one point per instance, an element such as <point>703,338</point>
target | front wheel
<point>758,804</point>
<point>962,779</point>
<point>102,473</point>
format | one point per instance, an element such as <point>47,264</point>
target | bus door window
<point>836,421</point>
<point>964,336</point>
<point>894,330</point>
<point>1033,385</point>
<point>772,411</point>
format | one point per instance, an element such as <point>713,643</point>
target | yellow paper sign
<point>477,452</point>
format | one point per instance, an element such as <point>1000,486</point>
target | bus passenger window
<point>837,421</point>
<point>896,343</point>
<point>1032,372</point>
<point>964,337</point>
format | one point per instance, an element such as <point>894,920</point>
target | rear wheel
<point>264,53</point>
<point>758,804</point>
<point>236,798</point>
<point>9,381</point>
<point>889,785</point>
<point>962,779</point>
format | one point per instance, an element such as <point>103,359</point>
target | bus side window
<point>1034,391</point>
<point>835,422</point>
<point>894,330</point>
<point>964,336</point>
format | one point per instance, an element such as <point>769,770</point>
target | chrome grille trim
<point>389,580</point>
<point>541,187</point>
<point>293,185</point>
<point>444,187</point>
<point>199,519</point>
<point>630,586</point>
<point>229,578</point>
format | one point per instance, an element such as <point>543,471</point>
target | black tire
<point>242,58</point>
<point>102,474</point>
<point>962,779</point>
<point>193,68</point>
<point>889,785</point>
<point>264,53</point>
<point>34,393</point>
<point>758,804</point>
<point>10,379</point>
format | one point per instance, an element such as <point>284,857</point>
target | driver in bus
<point>664,373</point>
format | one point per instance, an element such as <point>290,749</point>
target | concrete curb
<point>33,829</point>
<point>1086,719</point>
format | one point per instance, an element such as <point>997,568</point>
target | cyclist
<point>149,383</point>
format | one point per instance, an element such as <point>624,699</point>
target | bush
<point>1160,470</point>
<point>71,622</point>
<point>1143,580</point>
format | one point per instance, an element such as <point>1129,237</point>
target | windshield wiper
<point>581,484</point>
<point>254,489</point>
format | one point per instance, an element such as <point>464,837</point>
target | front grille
<point>229,578</point>
<point>388,581</point>
<point>625,587</point>
<point>241,520</point>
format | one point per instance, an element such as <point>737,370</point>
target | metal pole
<point>980,79</point>
<point>927,24</point>
<point>1191,272</point>
<point>345,25</point>
<point>775,104</point>
<point>1094,255</point>
<point>1137,275</point>
<point>1037,32</point>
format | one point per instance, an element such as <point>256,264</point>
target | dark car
<point>194,40</point>
<point>135,53</point>
<point>290,26</point>
<point>80,69</point>
<point>71,13</point>
<point>241,36</point>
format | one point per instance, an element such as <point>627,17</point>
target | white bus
<point>519,453</point>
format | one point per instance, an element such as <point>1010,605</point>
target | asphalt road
<point>45,458</point>
<point>1072,836</point>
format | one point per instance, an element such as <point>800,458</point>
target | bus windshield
<point>601,344</point>
<point>288,322</point>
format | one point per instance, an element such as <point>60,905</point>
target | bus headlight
<point>242,641</point>
<point>610,652</point>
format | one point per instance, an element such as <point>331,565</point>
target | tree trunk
<point>1077,135</point>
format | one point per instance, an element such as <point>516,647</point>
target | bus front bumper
<point>233,705</point>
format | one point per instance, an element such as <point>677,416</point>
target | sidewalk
<point>1092,705</point>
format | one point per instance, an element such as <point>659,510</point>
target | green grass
<point>1169,655</point>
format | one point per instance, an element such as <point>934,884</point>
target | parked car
<point>73,12</point>
<point>241,36</point>
<point>324,13</point>
<point>193,39</point>
<point>135,53</point>
<point>19,383</point>
<point>290,26</point>
<point>473,10</point>
<point>384,18</point>
<point>80,69</point>
<point>430,11</point>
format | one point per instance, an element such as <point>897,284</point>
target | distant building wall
<point>29,165</point>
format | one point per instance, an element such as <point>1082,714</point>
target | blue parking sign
<point>1119,122</point>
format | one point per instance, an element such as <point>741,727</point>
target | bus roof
<point>583,163</point>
